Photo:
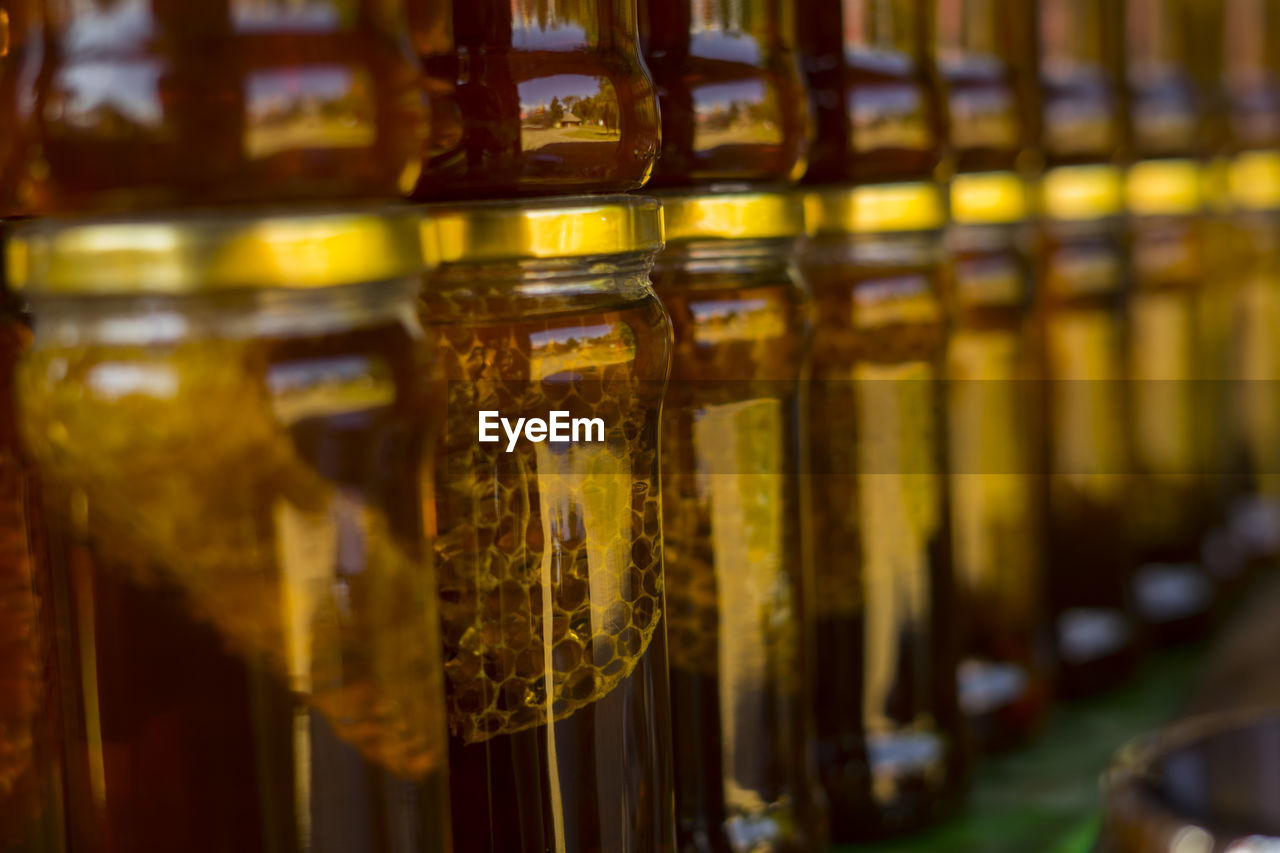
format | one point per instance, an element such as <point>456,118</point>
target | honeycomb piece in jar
<point>549,557</point>
<point>176,471</point>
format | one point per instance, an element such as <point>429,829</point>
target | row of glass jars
<point>253,437</point>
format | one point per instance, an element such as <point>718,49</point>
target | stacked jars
<point>890,735</point>
<point>994,375</point>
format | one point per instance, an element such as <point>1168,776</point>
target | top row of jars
<point>145,104</point>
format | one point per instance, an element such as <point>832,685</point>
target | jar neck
<point>914,249</point>
<point>139,320</point>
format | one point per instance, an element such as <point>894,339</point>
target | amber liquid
<point>997,487</point>
<point>877,114</point>
<point>28,800</point>
<point>890,730</point>
<point>733,102</point>
<point>160,104</point>
<point>549,560</point>
<point>736,584</point>
<point>553,97</point>
<point>280,708</point>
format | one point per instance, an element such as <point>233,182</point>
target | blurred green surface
<point>1044,799</point>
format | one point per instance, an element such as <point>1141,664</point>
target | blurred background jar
<point>738,587</point>
<point>1174,592</point>
<point>20,51</point>
<point>1239,61</point>
<point>227,416</point>
<point>143,104</point>
<point>549,545</point>
<point>552,97</point>
<point>889,727</point>
<point>734,106</point>
<point>876,110</point>
<point>995,375</point>
<point>1081,270</point>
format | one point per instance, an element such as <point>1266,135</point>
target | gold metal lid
<point>541,229</point>
<point>1082,193</point>
<point>989,198</point>
<point>734,215</point>
<point>1165,188</point>
<point>875,209</point>
<point>195,253</point>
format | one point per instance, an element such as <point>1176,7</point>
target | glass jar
<point>877,112</point>
<point>737,578</point>
<point>227,417</point>
<point>1083,299</point>
<point>29,797</point>
<point>995,379</point>
<point>145,104</point>
<point>548,523</point>
<point>889,726</point>
<point>554,97</point>
<point>734,106</point>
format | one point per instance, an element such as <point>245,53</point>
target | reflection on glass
<point>733,105</point>
<point>551,96</point>
<point>147,105</point>
<point>877,110</point>
<point>308,108</point>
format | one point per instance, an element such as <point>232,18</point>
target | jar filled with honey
<point>548,527</point>
<point>876,111</point>
<point>227,417</point>
<point>995,378</point>
<point>734,107</point>
<point>145,104</point>
<point>738,588</point>
<point>546,97</point>
<point>1173,591</point>
<point>1083,279</point>
<point>889,725</point>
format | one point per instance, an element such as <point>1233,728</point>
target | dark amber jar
<point>877,113</point>
<point>889,726</point>
<point>549,549</point>
<point>995,374</point>
<point>734,106</point>
<point>155,104</point>
<point>737,581</point>
<point>227,418</point>
<point>20,185</point>
<point>1083,279</point>
<point>551,97</point>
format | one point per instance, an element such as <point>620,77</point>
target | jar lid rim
<point>541,228</point>
<point>875,208</point>
<point>749,214</point>
<point>212,250</point>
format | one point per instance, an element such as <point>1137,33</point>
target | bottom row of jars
<point>249,437</point>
